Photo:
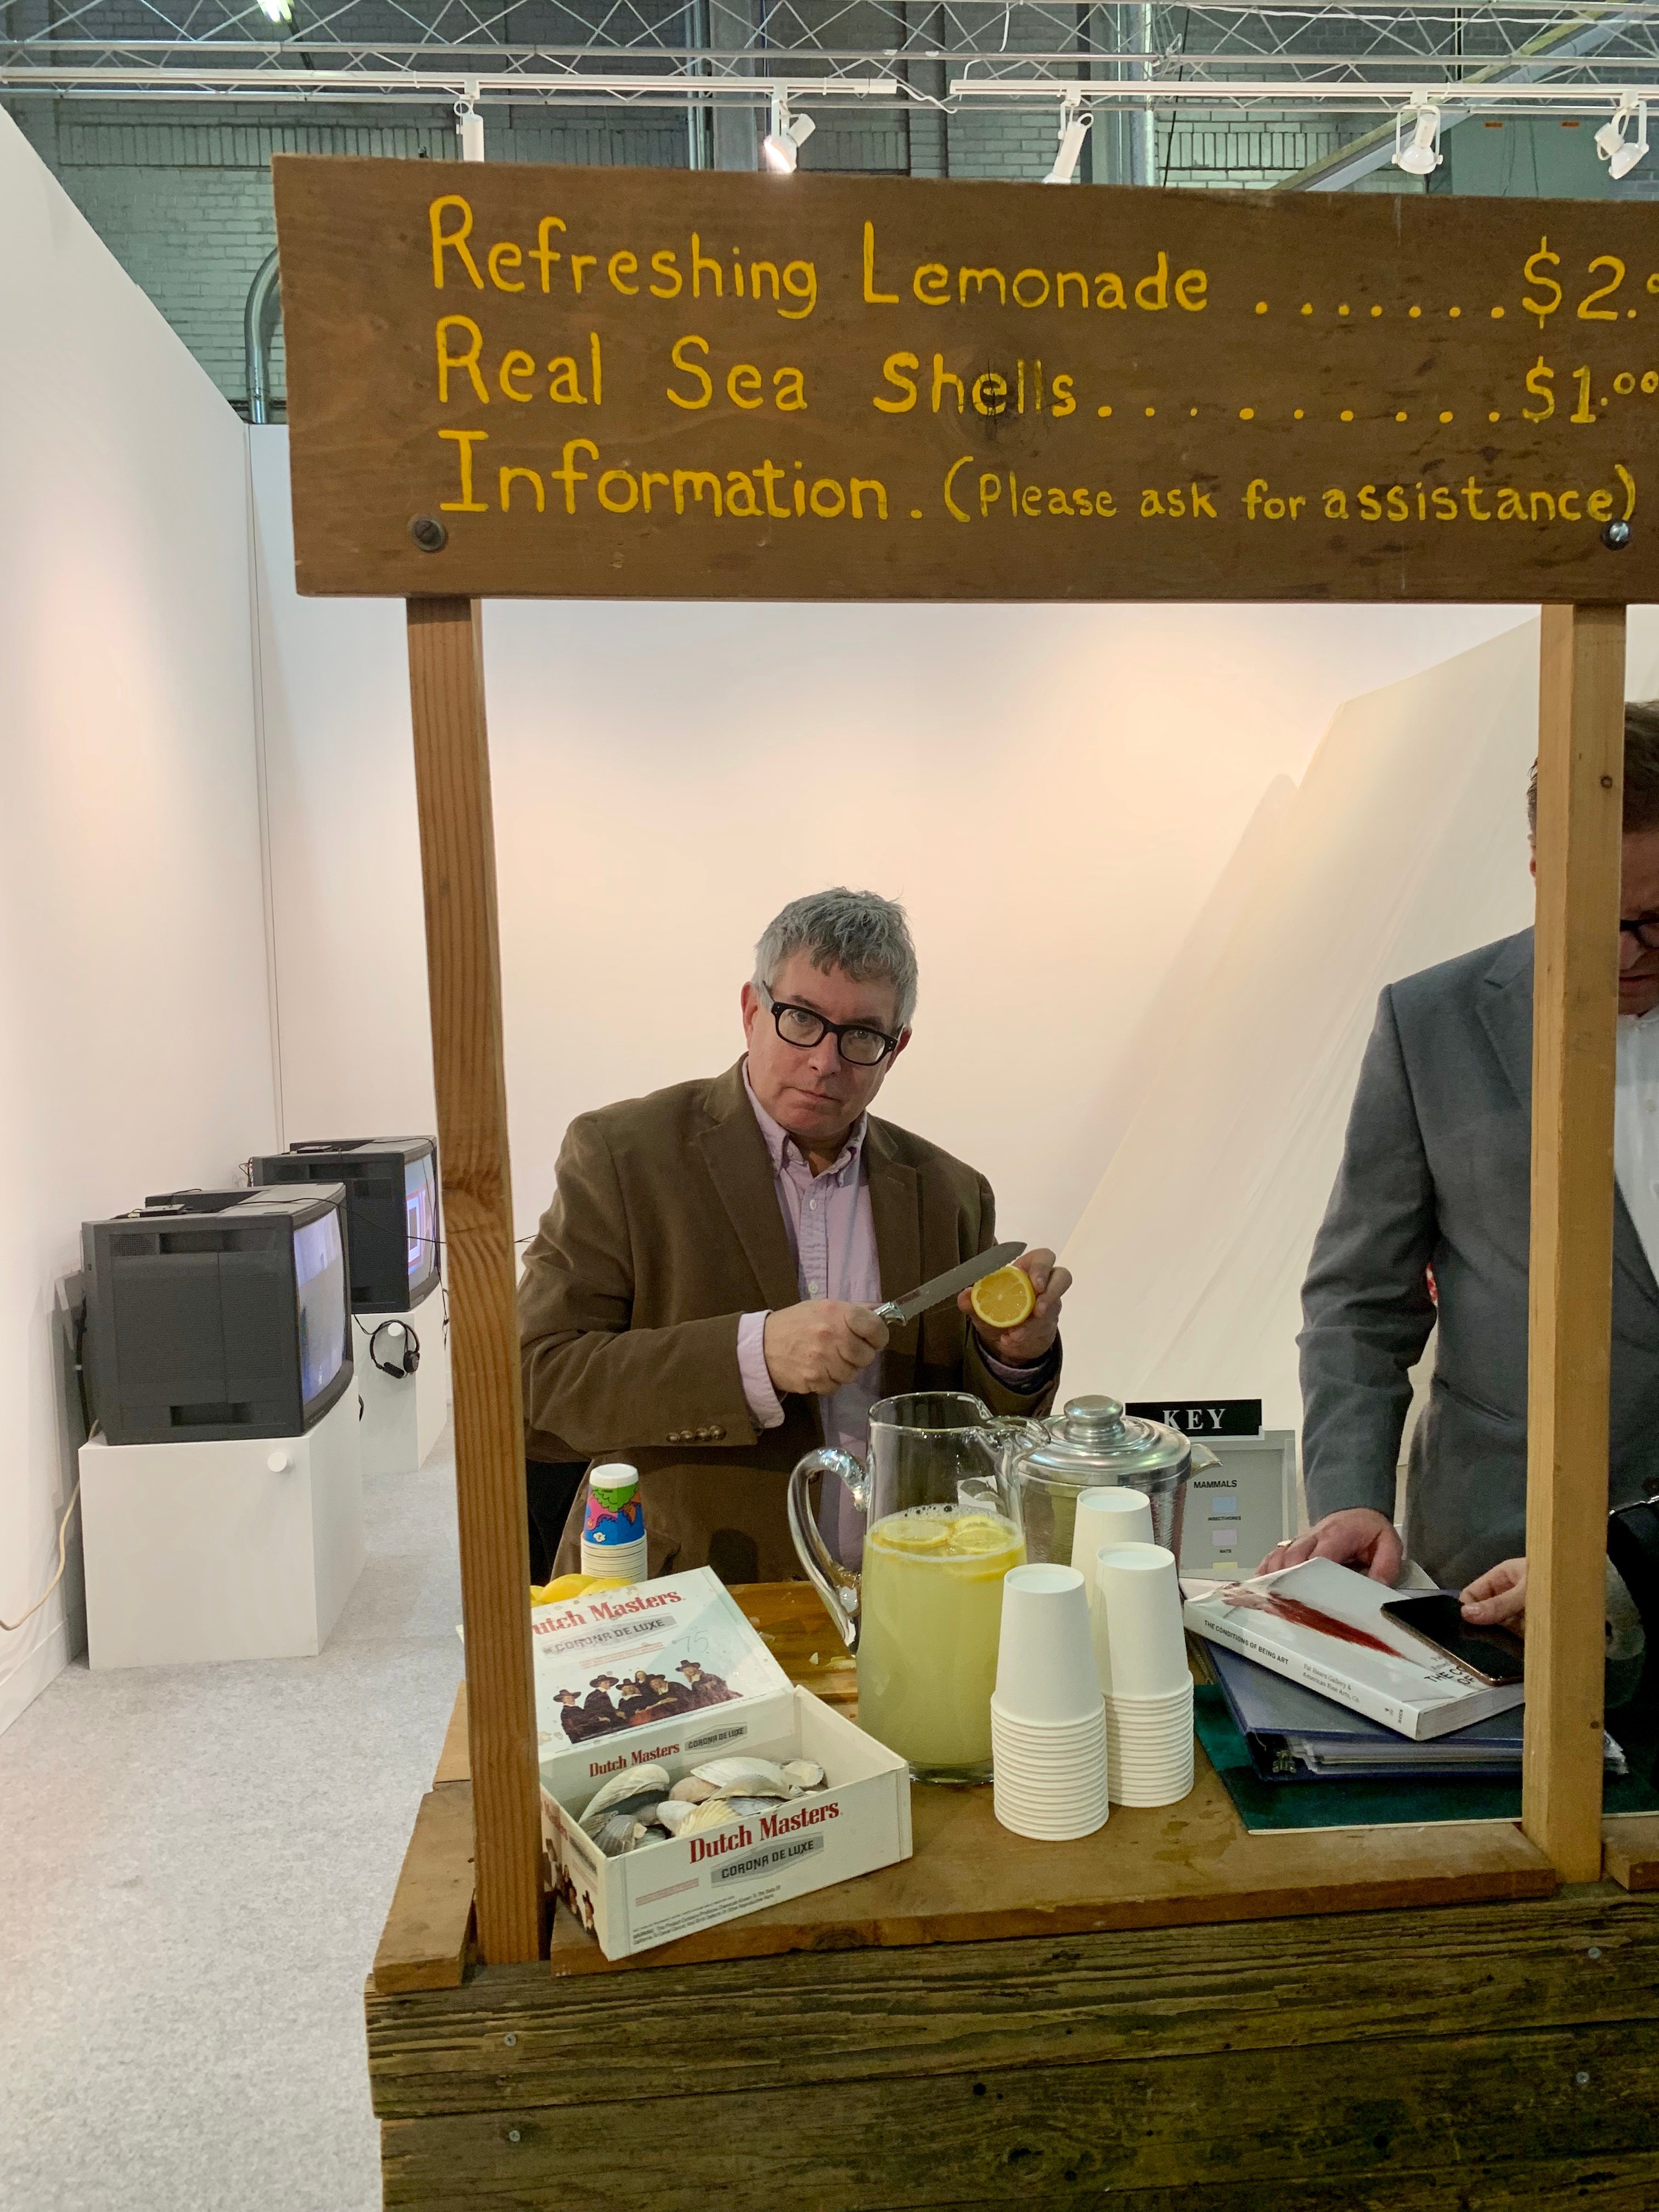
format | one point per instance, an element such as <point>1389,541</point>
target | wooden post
<point>464,976</point>
<point>1581,762</point>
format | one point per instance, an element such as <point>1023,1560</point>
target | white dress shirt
<point>1636,1126</point>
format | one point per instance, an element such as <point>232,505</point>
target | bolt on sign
<point>649,384</point>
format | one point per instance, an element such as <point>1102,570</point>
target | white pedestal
<point>242,1550</point>
<point>403,1416</point>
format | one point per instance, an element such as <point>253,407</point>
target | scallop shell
<point>692,1791</point>
<point>672,1814</point>
<point>712,1812</point>
<point>804,1773</point>
<point>751,1807</point>
<point>616,1833</point>
<point>753,1777</point>
<point>641,1785</point>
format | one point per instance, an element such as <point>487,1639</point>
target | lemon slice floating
<point>975,1533</point>
<point>916,1531</point>
<point>1004,1299</point>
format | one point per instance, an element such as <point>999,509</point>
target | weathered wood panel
<point>1586,2184</point>
<point>464,982</point>
<point>428,1930</point>
<point>1384,2109</point>
<point>1630,1849</point>
<point>823,2018</point>
<point>1581,773</point>
<point>637,383</point>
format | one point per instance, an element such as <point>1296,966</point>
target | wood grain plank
<point>1426,2104</point>
<point>971,1881</point>
<point>1586,2184</point>
<point>1581,757</point>
<point>458,874</point>
<point>428,1932</point>
<point>835,2017</point>
<point>454,1762</point>
<point>1335,393</point>
<point>1630,1849</point>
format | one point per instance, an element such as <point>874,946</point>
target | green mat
<point>1275,1806</point>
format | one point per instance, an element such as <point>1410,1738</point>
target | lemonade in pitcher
<point>930,1617</point>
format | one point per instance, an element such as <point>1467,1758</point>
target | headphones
<point>405,1347</point>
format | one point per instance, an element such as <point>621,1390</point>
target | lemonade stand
<point>1418,2017</point>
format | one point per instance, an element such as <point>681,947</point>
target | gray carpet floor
<point>195,1864</point>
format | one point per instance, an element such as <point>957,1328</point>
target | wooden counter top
<point>970,1879</point>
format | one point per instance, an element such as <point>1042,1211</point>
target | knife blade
<point>895,1311</point>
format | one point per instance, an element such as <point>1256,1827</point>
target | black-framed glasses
<point>855,1041</point>
<point>1644,929</point>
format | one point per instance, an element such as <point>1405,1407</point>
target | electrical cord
<point>63,1555</point>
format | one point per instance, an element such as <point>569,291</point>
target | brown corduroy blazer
<point>664,1232</point>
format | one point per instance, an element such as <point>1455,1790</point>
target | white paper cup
<point>1056,1732</point>
<point>1151,1791</point>
<point>1143,1651</point>
<point>1045,1661</point>
<point>1108,1516</point>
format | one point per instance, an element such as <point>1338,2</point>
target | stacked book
<point>1323,1686</point>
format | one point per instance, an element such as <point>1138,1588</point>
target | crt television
<point>213,1314</point>
<point>391,1184</point>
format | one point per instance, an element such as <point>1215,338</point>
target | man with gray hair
<point>699,1299</point>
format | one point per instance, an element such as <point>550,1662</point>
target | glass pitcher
<point>924,1615</point>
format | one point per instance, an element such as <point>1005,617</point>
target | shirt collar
<point>780,1143</point>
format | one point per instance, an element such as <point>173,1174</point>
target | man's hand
<point>1024,1345</point>
<point>820,1344</point>
<point>1359,1536</point>
<point>1498,1599</point>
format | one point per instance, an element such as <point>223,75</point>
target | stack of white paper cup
<point>1140,1651</point>
<point>1048,1724</point>
<point>1108,1516</point>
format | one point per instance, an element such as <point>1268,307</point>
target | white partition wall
<point>135,1032</point>
<point>1405,844</point>
<point>1053,792</point>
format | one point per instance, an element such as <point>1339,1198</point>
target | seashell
<point>751,1807</point>
<point>754,1777</point>
<point>712,1812</point>
<point>616,1833</point>
<point>804,1773</point>
<point>641,1785</point>
<point>672,1814</point>
<point>692,1791</point>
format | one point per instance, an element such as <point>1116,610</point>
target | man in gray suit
<point>1436,1175</point>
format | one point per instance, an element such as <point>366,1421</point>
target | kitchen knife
<point>893,1311</point>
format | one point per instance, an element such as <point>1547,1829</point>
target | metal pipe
<point>261,313</point>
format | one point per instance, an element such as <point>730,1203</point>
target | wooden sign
<point>606,383</point>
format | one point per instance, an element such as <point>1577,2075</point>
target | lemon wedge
<point>1004,1299</point>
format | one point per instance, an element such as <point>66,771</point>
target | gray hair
<point>858,932</point>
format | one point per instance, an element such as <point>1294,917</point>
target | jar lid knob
<point>1095,1416</point>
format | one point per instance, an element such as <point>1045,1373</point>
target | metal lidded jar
<point>1095,1445</point>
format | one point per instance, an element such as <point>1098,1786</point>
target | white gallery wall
<point>135,1031</point>
<point>1053,792</point>
<point>1405,844</point>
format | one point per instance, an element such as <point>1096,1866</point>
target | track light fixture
<point>783,141</point>
<point>469,123</point>
<point>1074,130</point>
<point>1420,155</point>
<point>1617,149</point>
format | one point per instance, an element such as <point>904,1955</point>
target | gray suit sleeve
<point>1365,1305</point>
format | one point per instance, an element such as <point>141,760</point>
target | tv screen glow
<point>320,1286</point>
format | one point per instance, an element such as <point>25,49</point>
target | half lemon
<point>1004,1299</point>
